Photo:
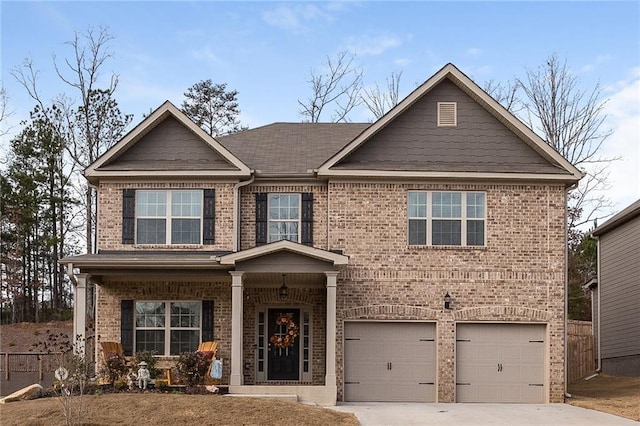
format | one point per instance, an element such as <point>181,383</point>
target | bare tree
<point>337,88</point>
<point>379,101</point>
<point>506,95</point>
<point>5,112</point>
<point>571,120</point>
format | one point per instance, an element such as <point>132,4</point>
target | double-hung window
<point>284,217</point>
<point>438,218</point>
<point>167,328</point>
<point>169,217</point>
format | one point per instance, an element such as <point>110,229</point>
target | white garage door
<point>500,363</point>
<point>389,361</point>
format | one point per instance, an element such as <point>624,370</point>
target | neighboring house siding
<point>248,211</point>
<point>110,215</point>
<point>518,276</point>
<point>619,286</point>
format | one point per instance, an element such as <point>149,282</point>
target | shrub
<point>192,367</point>
<point>115,367</point>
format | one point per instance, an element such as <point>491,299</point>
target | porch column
<point>330,377</point>
<point>237,314</point>
<point>80,314</point>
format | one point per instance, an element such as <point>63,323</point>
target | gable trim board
<point>94,172</point>
<point>567,172</point>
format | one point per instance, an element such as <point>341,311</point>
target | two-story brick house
<point>417,258</point>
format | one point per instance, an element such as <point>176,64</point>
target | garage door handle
<point>499,367</point>
<point>390,366</point>
<point>536,384</point>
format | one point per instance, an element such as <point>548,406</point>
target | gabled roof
<point>621,218</point>
<point>281,149</point>
<point>188,151</point>
<point>288,246</point>
<point>551,166</point>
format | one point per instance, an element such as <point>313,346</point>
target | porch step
<point>278,396</point>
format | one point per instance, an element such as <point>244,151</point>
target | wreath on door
<point>292,331</point>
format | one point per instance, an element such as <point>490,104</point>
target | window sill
<point>168,246</point>
<point>425,247</point>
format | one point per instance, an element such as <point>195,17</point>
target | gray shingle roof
<point>290,148</point>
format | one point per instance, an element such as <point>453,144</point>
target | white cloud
<point>474,51</point>
<point>402,62</point>
<point>204,54</point>
<point>295,17</point>
<point>368,45</point>
<point>600,59</point>
<point>623,110</point>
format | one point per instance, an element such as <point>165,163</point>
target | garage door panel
<point>389,361</point>
<point>500,363</point>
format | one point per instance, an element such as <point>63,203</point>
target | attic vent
<point>447,114</point>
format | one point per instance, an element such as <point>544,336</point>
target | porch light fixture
<point>447,301</point>
<point>283,292</point>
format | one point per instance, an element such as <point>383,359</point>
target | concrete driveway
<point>381,413</point>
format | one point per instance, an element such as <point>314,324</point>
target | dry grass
<point>153,408</point>
<point>614,395</point>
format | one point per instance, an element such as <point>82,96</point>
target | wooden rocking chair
<point>211,349</point>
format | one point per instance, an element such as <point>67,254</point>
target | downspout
<point>236,211</point>
<point>599,366</point>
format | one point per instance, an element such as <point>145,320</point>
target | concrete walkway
<point>380,413</point>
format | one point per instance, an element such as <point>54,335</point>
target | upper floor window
<point>284,217</point>
<point>446,218</point>
<point>168,217</point>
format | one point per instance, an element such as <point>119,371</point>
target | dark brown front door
<point>284,344</point>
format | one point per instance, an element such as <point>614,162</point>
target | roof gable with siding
<point>405,122</point>
<point>479,142</point>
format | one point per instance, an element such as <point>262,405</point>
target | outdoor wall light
<point>447,301</point>
<point>283,292</point>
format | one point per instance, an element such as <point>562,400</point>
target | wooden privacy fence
<point>580,353</point>
<point>21,369</point>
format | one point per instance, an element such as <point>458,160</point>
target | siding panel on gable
<point>479,142</point>
<point>619,286</point>
<point>170,146</point>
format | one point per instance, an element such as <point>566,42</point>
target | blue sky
<point>266,51</point>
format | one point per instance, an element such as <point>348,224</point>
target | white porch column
<point>80,314</point>
<point>330,377</point>
<point>237,314</point>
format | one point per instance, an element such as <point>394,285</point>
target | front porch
<point>243,293</point>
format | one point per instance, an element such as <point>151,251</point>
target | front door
<point>283,361</point>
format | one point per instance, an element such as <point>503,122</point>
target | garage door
<point>500,363</point>
<point>389,361</point>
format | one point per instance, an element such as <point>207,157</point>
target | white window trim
<point>168,216</point>
<point>298,221</point>
<point>464,219</point>
<point>167,323</point>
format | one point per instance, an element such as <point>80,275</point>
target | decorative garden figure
<point>143,375</point>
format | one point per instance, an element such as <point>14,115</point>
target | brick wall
<point>518,276</point>
<point>110,215</point>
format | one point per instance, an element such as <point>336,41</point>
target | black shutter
<point>261,219</point>
<point>128,216</point>
<point>207,320</point>
<point>307,219</point>
<point>209,217</point>
<point>126,326</point>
